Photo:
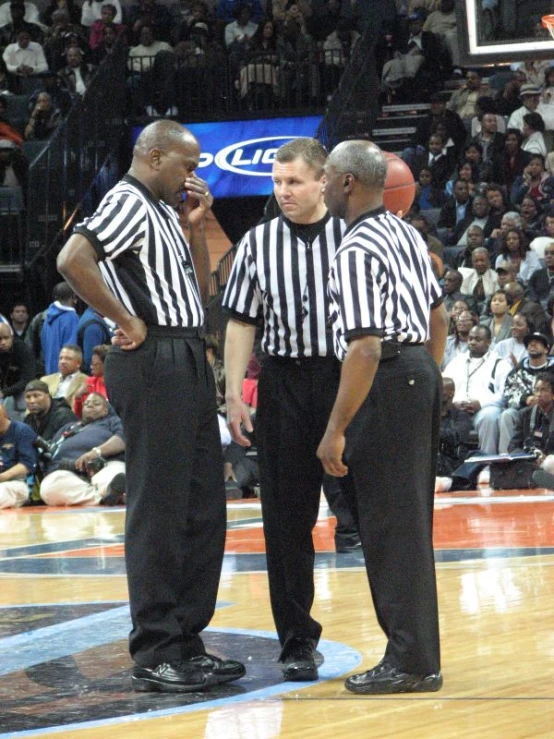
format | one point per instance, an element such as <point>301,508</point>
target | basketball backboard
<point>503,31</point>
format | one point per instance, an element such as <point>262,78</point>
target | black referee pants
<point>295,398</point>
<point>391,449</point>
<point>175,523</point>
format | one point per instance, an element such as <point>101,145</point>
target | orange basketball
<point>400,187</point>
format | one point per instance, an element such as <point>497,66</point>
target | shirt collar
<point>368,214</point>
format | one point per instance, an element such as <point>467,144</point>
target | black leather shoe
<point>115,492</point>
<point>298,660</point>
<point>218,670</point>
<point>176,677</point>
<point>353,545</point>
<point>384,678</point>
<point>544,479</point>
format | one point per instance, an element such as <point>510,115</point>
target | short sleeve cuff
<point>242,317</point>
<point>355,333</point>
<point>94,240</point>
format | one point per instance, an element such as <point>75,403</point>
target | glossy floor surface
<point>64,667</point>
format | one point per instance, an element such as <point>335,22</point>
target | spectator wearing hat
<point>45,414</point>
<point>530,96</point>
<point>519,389</point>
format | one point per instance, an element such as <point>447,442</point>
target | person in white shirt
<point>479,377</point>
<point>530,96</point>
<point>242,29</point>
<point>480,280</point>
<point>25,57</point>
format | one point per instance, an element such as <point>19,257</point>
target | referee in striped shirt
<point>131,262</point>
<point>280,271</point>
<point>384,426</point>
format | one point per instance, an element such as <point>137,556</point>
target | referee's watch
<point>97,450</point>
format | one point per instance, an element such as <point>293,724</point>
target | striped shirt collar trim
<point>363,216</point>
<point>130,180</point>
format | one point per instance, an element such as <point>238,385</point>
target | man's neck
<point>538,362</point>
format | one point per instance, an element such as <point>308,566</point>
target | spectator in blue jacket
<point>60,326</point>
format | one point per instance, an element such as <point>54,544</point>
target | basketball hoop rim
<point>547,21</point>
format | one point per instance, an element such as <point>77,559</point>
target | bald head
<point>355,179</point>
<point>164,135</point>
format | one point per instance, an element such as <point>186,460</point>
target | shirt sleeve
<point>26,452</point>
<point>243,296</point>
<point>118,225</point>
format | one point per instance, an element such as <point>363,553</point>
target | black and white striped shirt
<point>144,257</point>
<point>281,271</point>
<point>381,282</point>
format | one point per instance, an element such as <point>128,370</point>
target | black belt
<point>392,349</point>
<point>300,361</point>
<point>176,332</point>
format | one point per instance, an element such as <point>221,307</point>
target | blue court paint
<point>339,659</point>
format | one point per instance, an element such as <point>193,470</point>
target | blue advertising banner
<point>237,156</point>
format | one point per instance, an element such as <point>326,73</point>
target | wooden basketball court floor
<point>64,666</point>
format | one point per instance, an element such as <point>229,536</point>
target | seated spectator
<point>106,45</point>
<point>464,100</point>
<point>437,159</point>
<point>146,81</point>
<point>534,429</point>
<point>480,217</point>
<point>500,324</point>
<point>508,99</point>
<point>25,58</point>
<point>242,29</point>
<point>443,23</point>
<point>427,195</point>
<point>45,414</point>
<point>533,129</point>
<point>44,119</point>
<point>513,349</point>
<point>452,288</point>
<point>473,153</point>
<point>535,314</point>
<point>17,368</point>
<point>475,240</point>
<point>498,202</point>
<point>418,66</point>
<point>66,382</point>
<point>87,458</point>
<point>485,106</point>
<point>468,173</point>
<point>533,70</point>
<point>298,69</point>
<point>510,219</point>
<point>455,431</point>
<point>67,6</point>
<point>531,212</point>
<point>62,36</point>
<point>107,19</point>
<point>506,272</point>
<point>149,13</point>
<point>489,138</point>
<point>479,378</point>
<point>480,281</point>
<point>515,250</point>
<point>92,11</point>
<point>455,209</point>
<point>227,9</point>
<point>457,343</point>
<point>94,383</point>
<point>547,89</point>
<point>261,62</point>
<point>541,283</point>
<point>530,97</point>
<point>7,131</point>
<point>77,75</point>
<point>279,9</point>
<point>420,222</point>
<point>19,319</point>
<point>18,460</point>
<point>10,31</point>
<point>454,124</point>
<point>511,161</point>
<point>31,14</point>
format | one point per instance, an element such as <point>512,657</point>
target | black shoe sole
<point>426,685</point>
<point>148,685</point>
